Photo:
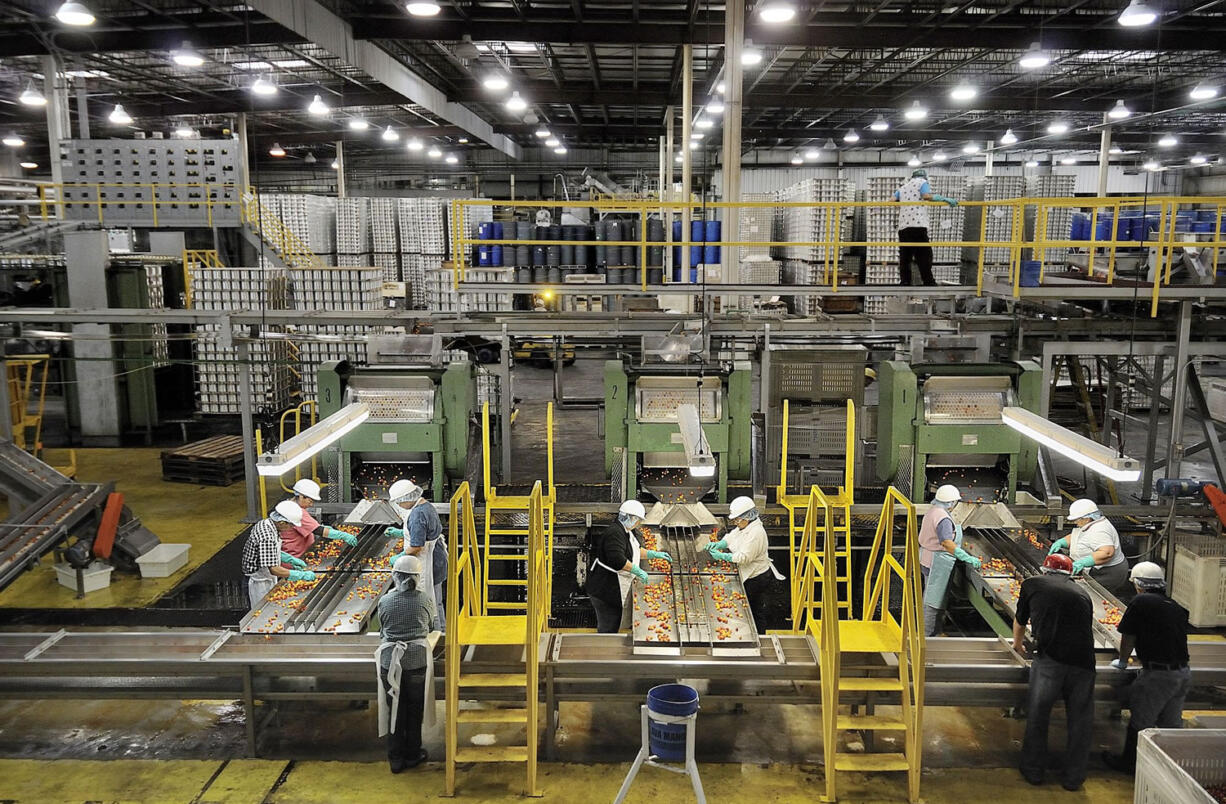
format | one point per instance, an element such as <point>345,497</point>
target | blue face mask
<point>628,521</point>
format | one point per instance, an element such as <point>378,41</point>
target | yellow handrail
<point>273,230</point>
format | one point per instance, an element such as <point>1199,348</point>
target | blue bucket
<point>1030,273</point>
<point>667,740</point>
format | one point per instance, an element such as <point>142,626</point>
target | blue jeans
<point>1051,681</point>
<point>1156,699</point>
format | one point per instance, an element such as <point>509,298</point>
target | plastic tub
<point>96,576</point>
<point>1174,766</point>
<point>163,561</point>
<point>667,740</point>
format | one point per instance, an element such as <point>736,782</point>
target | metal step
<point>870,685</point>
<point>871,762</point>
<point>493,680</point>
<point>492,716</point>
<point>492,753</point>
<point>871,722</point>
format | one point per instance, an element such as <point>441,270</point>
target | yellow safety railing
<point>53,202</point>
<point>537,620</point>
<point>464,579</point>
<point>1017,245</point>
<point>25,383</point>
<point>292,250</point>
<point>193,259</point>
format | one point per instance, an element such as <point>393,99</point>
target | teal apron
<point>938,575</point>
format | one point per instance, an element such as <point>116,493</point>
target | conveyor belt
<point>44,524</point>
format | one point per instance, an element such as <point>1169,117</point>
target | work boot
<point>1125,761</point>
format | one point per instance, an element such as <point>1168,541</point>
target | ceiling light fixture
<point>309,158</point>
<point>1090,454</point>
<point>423,8</point>
<point>851,136</point>
<point>750,55</point>
<point>1115,150</point>
<point>73,13</point>
<point>963,92</point>
<point>390,134</point>
<point>678,158</point>
<point>880,124</point>
<point>1032,163</point>
<point>415,145</point>
<point>1168,141</point>
<point>13,140</point>
<point>561,149</point>
<point>276,150</point>
<point>1198,159</point>
<point>1203,92</point>
<point>336,165</point>
<point>434,152</point>
<point>119,116</point>
<point>515,103</point>
<point>1008,138</point>
<point>704,122</point>
<point>720,87</point>
<point>1151,165</point>
<point>1068,160</point>
<point>184,131</point>
<point>812,154</point>
<point>543,133</point>
<point>776,11</point>
<point>495,83</point>
<point>697,135</point>
<point>553,142</point>
<point>829,144</point>
<point>715,107</point>
<point>797,159</point>
<point>317,107</point>
<point>916,111</point>
<point>30,96</point>
<point>1057,127</point>
<point>914,161</point>
<point>1137,14</point>
<point>264,86</point>
<point>186,56</point>
<point>939,156</point>
<point>1119,111</point>
<point>970,148</point>
<point>358,124</point>
<point>29,165</point>
<point>452,159</point>
<point>1034,57</point>
<point>695,145</point>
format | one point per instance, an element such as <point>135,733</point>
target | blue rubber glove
<point>1083,563</point>
<point>347,538</point>
<point>1057,546</point>
<point>722,544</point>
<point>953,202</point>
<point>395,533</point>
<point>639,573</point>
<point>720,555</point>
<point>659,554</point>
<point>962,555</point>
<point>301,575</point>
<point>296,563</point>
<point>392,561</point>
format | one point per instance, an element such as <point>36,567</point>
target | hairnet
<point>404,581</point>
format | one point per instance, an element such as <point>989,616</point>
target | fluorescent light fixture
<point>916,111</point>
<point>698,455</point>
<point>515,103</point>
<point>312,441</point>
<point>389,134</point>
<point>812,154</point>
<point>561,149</point>
<point>1090,454</point>
<point>452,159</point>
<point>317,107</point>
<point>251,65</point>
<point>704,122</point>
<point>276,150</point>
<point>1198,159</point>
<point>1057,127</point>
<point>119,116</point>
<point>1168,141</point>
<point>1119,111</point>
<point>1034,57</point>
<point>553,142</point>
<point>72,13</point>
<point>715,107</point>
<point>30,96</point>
<point>1151,165</point>
<point>851,136</point>
<point>423,8</point>
<point>776,11</point>
<point>358,124</point>
<point>415,144</point>
<point>521,47</point>
<point>914,161</point>
<point>1203,92</point>
<point>963,92</point>
<point>543,133</point>
<point>1008,138</point>
<point>970,148</point>
<point>290,64</point>
<point>496,83</point>
<point>1032,163</point>
<point>880,124</point>
<point>1137,14</point>
<point>939,156</point>
<point>186,56</point>
<point>797,159</point>
<point>264,86</point>
<point>434,152</point>
<point>13,140</point>
<point>29,165</point>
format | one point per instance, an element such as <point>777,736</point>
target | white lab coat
<point>748,547</point>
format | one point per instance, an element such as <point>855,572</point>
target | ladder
<point>838,511</point>
<point>504,685</point>
<point>505,539</point>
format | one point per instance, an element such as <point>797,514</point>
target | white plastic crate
<point>1175,765</point>
<point>163,561</point>
<point>1200,581</point>
<point>94,577</point>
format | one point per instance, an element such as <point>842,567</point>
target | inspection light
<point>1137,14</point>
<point>1119,111</point>
<point>119,116</point>
<point>312,441</point>
<point>698,455</point>
<point>1090,454</point>
<point>72,13</point>
<point>186,56</point>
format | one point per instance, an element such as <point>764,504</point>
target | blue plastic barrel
<point>483,256</point>
<point>496,230</point>
<point>1030,273</point>
<point>496,256</point>
<point>697,235</point>
<point>1080,229</point>
<point>1102,230</point>
<point>485,231</point>
<point>1206,214</point>
<point>667,740</point>
<point>711,234</point>
<point>1202,226</point>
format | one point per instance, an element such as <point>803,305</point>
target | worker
<point>940,542</point>
<point>1061,618</point>
<point>263,556</point>
<point>302,536</point>
<point>913,227</point>
<point>1094,546</point>
<point>615,557</point>
<point>422,532</point>
<point>1157,627</point>
<point>746,546</point>
<point>405,664</point>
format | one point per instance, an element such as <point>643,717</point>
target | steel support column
<point>1174,449</point>
<point>687,162</point>
<point>243,354</point>
<point>1104,157</point>
<point>55,91</point>
<point>340,168</point>
<point>734,41</point>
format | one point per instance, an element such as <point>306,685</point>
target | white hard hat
<point>307,488</point>
<point>634,508</point>
<point>402,489</point>
<point>948,493</point>
<point>407,565</point>
<point>290,511</point>
<point>1147,573</point>
<point>1082,508</point>
<point>740,506</point>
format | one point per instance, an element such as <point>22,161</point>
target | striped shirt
<point>404,616</point>
<point>262,548</point>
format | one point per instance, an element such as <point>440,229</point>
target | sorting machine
<point>942,424</point>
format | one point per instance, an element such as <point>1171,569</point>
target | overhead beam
<point>146,32</point>
<point>317,24</point>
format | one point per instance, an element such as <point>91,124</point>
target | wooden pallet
<point>216,461</point>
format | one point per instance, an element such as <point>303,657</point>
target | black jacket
<point>612,547</point>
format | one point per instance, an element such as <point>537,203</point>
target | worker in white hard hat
<point>262,554</point>
<point>747,546</point>
<point>302,536</point>
<point>615,556</point>
<point>1094,546</point>
<point>422,533</point>
<point>1157,628</point>
<point>940,542</point>
<point>406,663</point>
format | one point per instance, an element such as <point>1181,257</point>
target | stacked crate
<point>757,270</point>
<point>217,371</point>
<point>423,241</point>
<point>157,301</point>
<point>353,232</point>
<point>331,289</point>
<point>881,225</point>
<point>1059,219</point>
<point>757,223</point>
<point>947,223</point>
<point>997,221</point>
<point>441,295</point>
<point>384,239</point>
<point>312,219</point>
<point>806,265</point>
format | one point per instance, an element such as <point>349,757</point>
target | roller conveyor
<point>37,529</point>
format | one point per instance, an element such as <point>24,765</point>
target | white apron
<point>259,584</point>
<point>427,580</point>
<point>387,714</point>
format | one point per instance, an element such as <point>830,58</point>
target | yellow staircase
<point>504,685</point>
<point>269,227</point>
<point>507,543</point>
<point>838,512</point>
<point>874,657</point>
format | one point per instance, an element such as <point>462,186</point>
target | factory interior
<point>779,400</point>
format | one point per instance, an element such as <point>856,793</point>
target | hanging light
<point>697,135</point>
<point>1137,14</point>
<point>915,111</point>
<point>720,87</point>
<point>186,56</point>
<point>695,145</point>
<point>276,150</point>
<point>553,142</point>
<point>715,107</point>
<point>880,124</point>
<point>750,55</point>
<point>317,107</point>
<point>1008,138</point>
<point>704,122</point>
<point>939,156</point>
<point>1151,164</point>
<point>423,8</point>
<point>1032,163</point>
<point>1068,160</point>
<point>561,149</point>
<point>812,154</point>
<point>309,158</point>
<point>963,92</point>
<point>1198,159</point>
<point>797,159</point>
<point>29,165</point>
<point>970,148</point>
<point>434,152</point>
<point>829,145</point>
<point>515,103</point>
<point>1034,57</point>
<point>1168,141</point>
<point>776,11</point>
<point>1119,111</point>
<point>914,161</point>
<point>264,86</point>
<point>73,13</point>
<point>452,159</point>
<point>1203,92</point>
<point>415,145</point>
<point>543,133</point>
<point>851,136</point>
<point>30,96</point>
<point>119,116</point>
<point>336,165</point>
<point>495,82</point>
<point>1115,150</point>
<point>390,135</point>
<point>358,124</point>
<point>184,131</point>
<point>678,158</point>
<point>13,140</point>
<point>1057,127</point>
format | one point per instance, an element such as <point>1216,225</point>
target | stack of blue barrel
<point>489,256</point>
<point>1132,225</point>
<point>620,263</point>
<point>704,233</point>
